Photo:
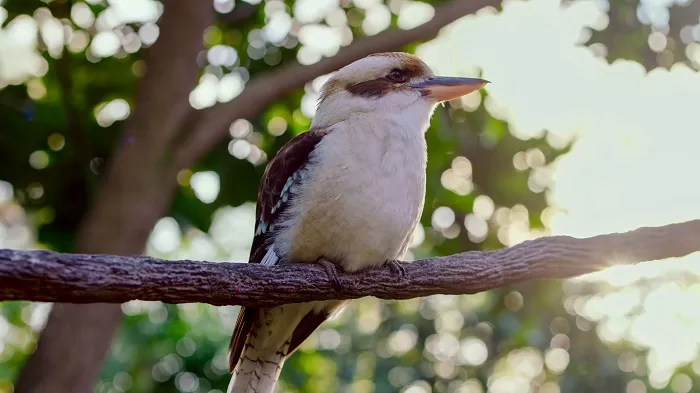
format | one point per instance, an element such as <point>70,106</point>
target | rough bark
<point>262,91</point>
<point>49,276</point>
<point>136,192</point>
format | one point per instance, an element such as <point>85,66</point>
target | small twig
<point>73,278</point>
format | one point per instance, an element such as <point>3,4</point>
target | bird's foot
<point>397,269</point>
<point>332,272</point>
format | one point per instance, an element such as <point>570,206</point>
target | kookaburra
<point>348,191</point>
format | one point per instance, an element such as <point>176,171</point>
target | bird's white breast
<point>363,197</point>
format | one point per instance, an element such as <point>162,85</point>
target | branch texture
<point>54,277</point>
<point>213,123</point>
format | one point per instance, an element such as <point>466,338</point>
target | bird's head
<point>389,84</point>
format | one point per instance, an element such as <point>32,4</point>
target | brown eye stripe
<point>411,66</point>
<point>379,87</point>
<point>371,89</point>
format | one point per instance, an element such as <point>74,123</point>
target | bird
<point>349,192</point>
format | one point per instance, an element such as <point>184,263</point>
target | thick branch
<point>48,276</point>
<point>262,91</point>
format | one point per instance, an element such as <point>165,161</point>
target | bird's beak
<point>445,88</point>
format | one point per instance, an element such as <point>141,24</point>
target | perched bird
<point>348,191</point>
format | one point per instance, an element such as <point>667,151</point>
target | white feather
<point>270,257</point>
<point>365,187</point>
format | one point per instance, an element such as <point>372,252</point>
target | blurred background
<point>590,125</point>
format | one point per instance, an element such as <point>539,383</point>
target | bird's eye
<point>397,76</point>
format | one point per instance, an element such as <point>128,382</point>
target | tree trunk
<point>136,192</point>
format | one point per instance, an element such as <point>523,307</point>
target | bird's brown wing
<point>306,326</point>
<point>274,197</point>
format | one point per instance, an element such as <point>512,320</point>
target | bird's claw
<point>397,269</point>
<point>332,272</point>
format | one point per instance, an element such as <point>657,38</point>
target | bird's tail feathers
<point>255,373</point>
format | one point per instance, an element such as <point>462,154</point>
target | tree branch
<point>266,88</point>
<point>240,13</point>
<point>53,277</point>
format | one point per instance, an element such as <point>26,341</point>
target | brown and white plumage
<point>350,190</point>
